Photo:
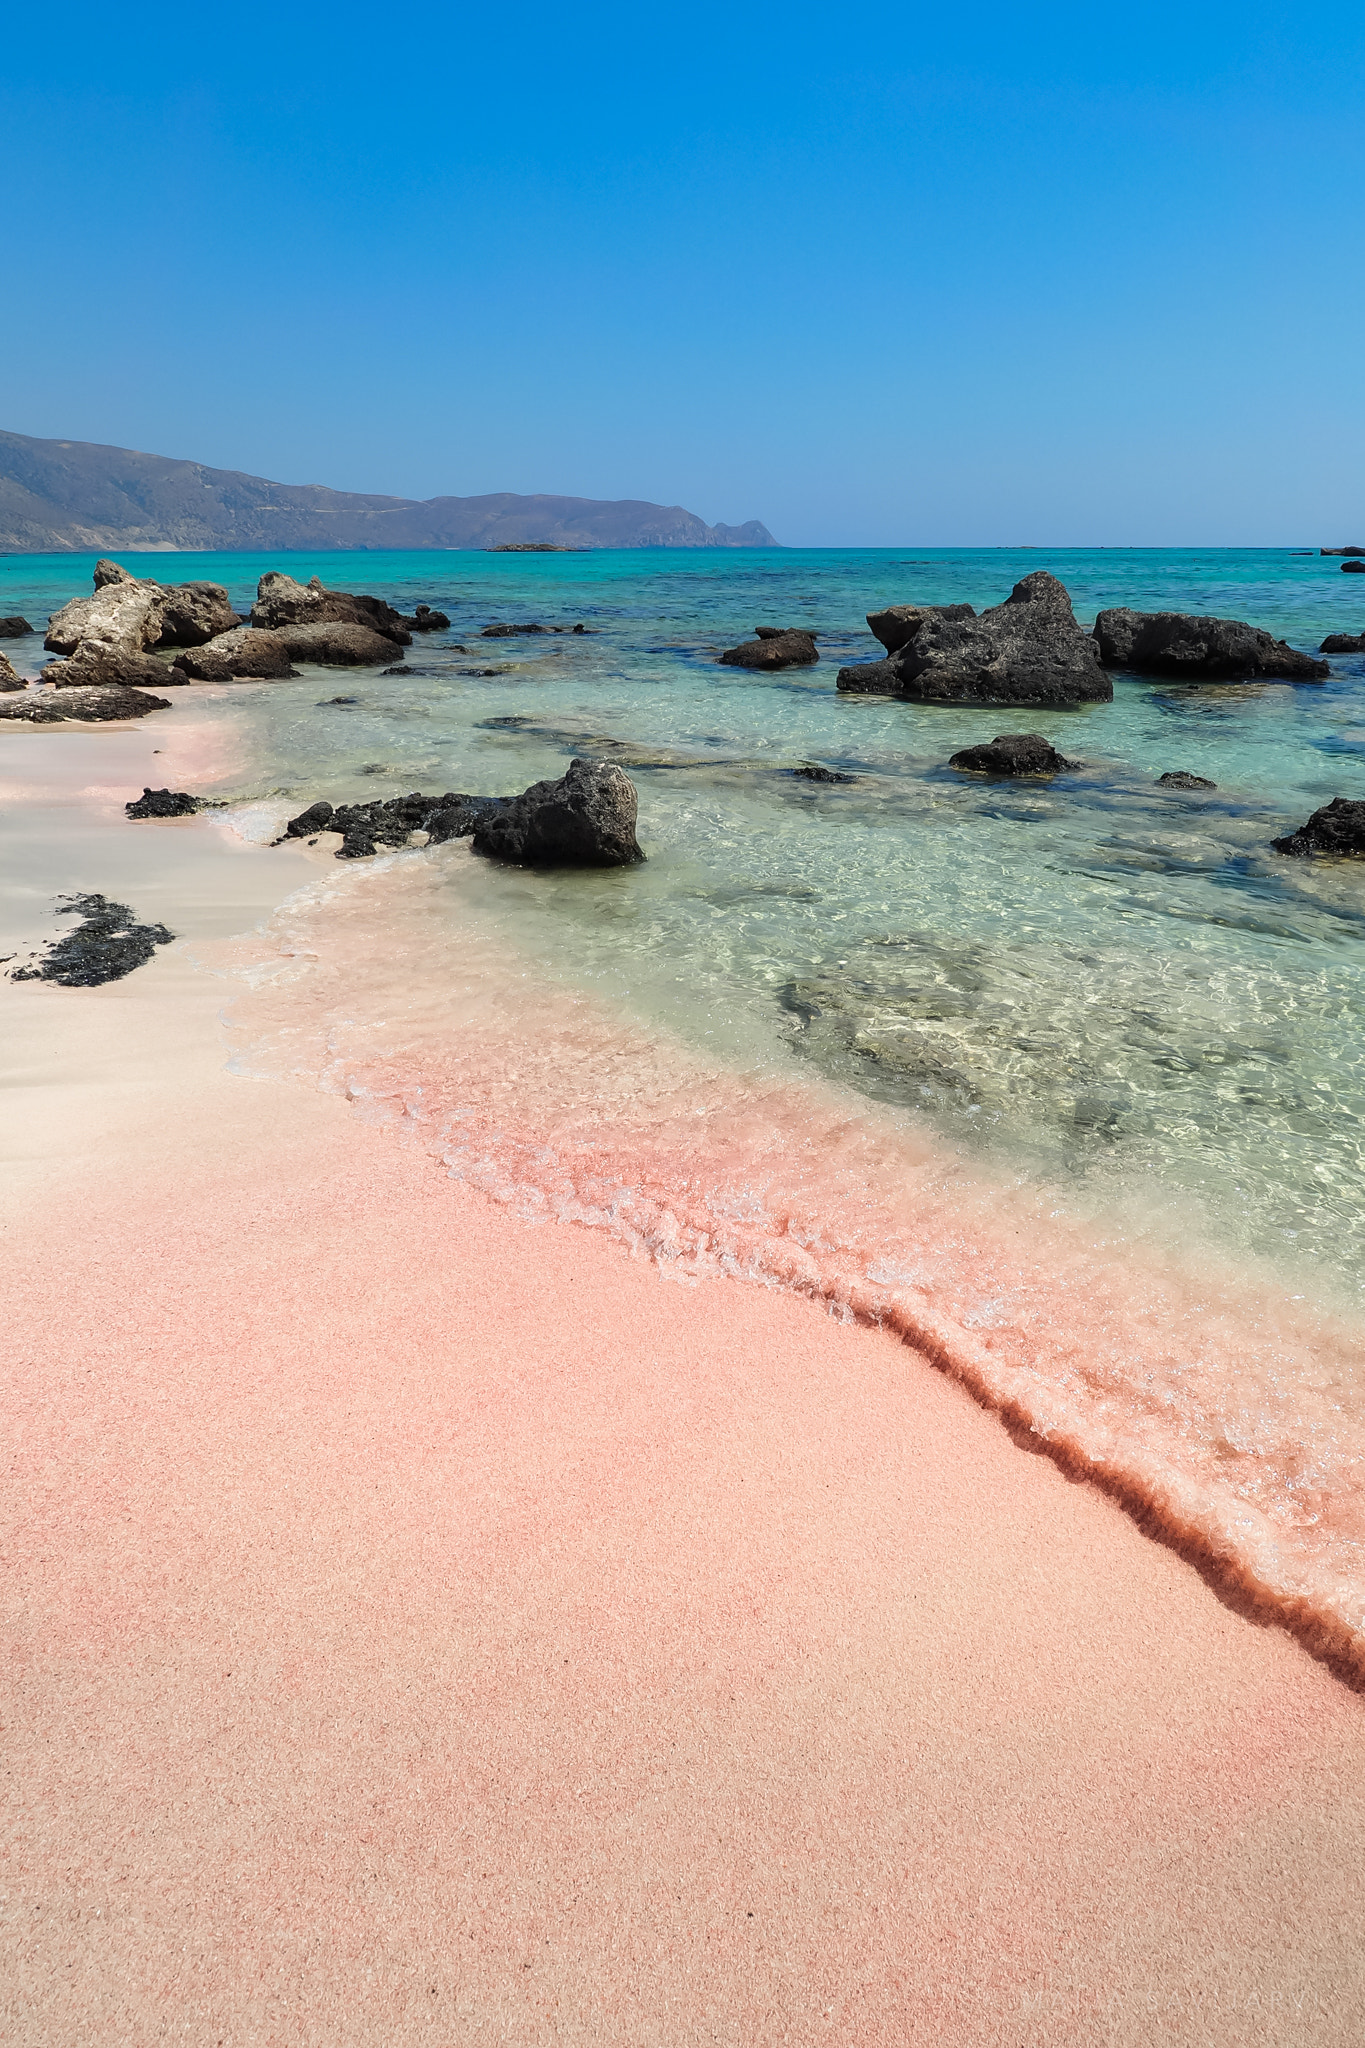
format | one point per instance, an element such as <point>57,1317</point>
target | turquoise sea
<point>1065,1080</point>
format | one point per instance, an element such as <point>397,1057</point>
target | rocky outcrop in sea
<point>1182,646</point>
<point>773,647</point>
<point>1028,651</point>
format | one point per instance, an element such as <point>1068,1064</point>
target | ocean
<point>1064,1080</point>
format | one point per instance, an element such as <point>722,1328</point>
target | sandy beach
<point>426,1626</point>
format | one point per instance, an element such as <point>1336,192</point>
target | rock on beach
<point>136,614</point>
<point>585,819</point>
<point>247,651</point>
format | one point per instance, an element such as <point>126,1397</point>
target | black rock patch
<point>107,944</point>
<point>164,803</point>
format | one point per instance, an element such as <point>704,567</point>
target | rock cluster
<point>1180,645</point>
<point>1028,650</point>
<point>391,821</point>
<point>135,614</point>
<point>164,803</point>
<point>774,647</point>
<point>1012,753</point>
<point>107,944</point>
<point>1339,827</point>
<point>282,602</point>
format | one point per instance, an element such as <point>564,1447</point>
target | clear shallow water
<point>1067,1080</point>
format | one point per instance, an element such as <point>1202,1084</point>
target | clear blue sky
<point>966,275</point>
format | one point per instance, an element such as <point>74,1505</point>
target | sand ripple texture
<point>1223,1408</point>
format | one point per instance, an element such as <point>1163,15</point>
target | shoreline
<point>432,1623</point>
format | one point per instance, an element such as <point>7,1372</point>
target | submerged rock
<point>899,623</point>
<point>245,652</point>
<point>1179,644</point>
<point>1343,643</point>
<point>1181,778</point>
<point>1339,827</point>
<point>107,944</point>
<point>425,620</point>
<point>14,628</point>
<point>775,647</point>
<point>338,643</point>
<point>281,602</point>
<point>1028,650</point>
<point>585,819</point>
<point>100,665</point>
<point>164,803</point>
<point>1012,753</point>
<point>811,771</point>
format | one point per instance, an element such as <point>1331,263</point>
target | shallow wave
<point>1221,1409</point>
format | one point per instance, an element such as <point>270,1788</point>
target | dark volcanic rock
<point>499,631</point>
<point>1180,778</point>
<point>1012,753</point>
<point>1201,650</point>
<point>900,622</point>
<point>164,803</point>
<point>337,643</point>
<point>245,652</point>
<point>775,647</point>
<point>425,620</point>
<point>56,707</point>
<point>1339,827</point>
<point>107,944</point>
<point>1028,650</point>
<point>1343,643</point>
<point>280,602</point>
<point>14,628</point>
<point>390,821</point>
<point>870,679</point>
<point>811,771</point>
<point>585,819</point>
<point>317,818</point>
<point>1341,551</point>
<point>1353,568</point>
<point>99,665</point>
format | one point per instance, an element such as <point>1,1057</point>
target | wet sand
<point>424,1626</point>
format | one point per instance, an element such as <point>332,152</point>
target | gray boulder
<point>1343,643</point>
<point>10,678</point>
<point>135,613</point>
<point>245,651</point>
<point>870,679</point>
<point>900,622</point>
<point>586,819</point>
<point>339,643</point>
<point>14,628</point>
<point>1012,753</point>
<point>104,665</point>
<point>1339,827</point>
<point>55,707</point>
<point>280,602</point>
<point>774,647</point>
<point>1028,650</point>
<point>1179,644</point>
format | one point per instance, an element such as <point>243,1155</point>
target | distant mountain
<point>79,496</point>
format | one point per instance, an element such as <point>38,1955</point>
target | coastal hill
<point>80,496</point>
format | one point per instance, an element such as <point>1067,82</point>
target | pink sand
<point>427,1627</point>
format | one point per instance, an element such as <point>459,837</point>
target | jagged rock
<point>135,613</point>
<point>811,771</point>
<point>1343,643</point>
<point>1180,778</point>
<point>164,803</point>
<point>1012,753</point>
<point>245,652</point>
<point>900,622</point>
<point>400,669</point>
<point>585,819</point>
<point>10,678</point>
<point>1028,650</point>
<point>1353,568</point>
<point>101,665</point>
<point>107,944</point>
<point>390,821</point>
<point>338,643</point>
<point>501,631</point>
<point>870,679</point>
<point>1199,649</point>
<point>280,602</point>
<point>425,620</point>
<point>775,647</point>
<point>1339,827</point>
<point>56,707</point>
<point>14,628</point>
